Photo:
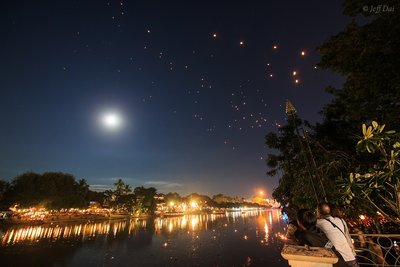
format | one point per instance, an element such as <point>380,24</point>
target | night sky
<point>175,95</point>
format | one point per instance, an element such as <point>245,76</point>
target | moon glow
<point>111,120</point>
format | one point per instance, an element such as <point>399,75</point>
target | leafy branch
<point>379,183</point>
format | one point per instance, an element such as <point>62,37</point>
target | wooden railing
<point>377,249</point>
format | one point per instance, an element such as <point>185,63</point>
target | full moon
<point>111,120</point>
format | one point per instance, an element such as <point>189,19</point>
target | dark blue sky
<point>195,108</point>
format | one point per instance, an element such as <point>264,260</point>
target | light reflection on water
<point>190,238</point>
<point>34,233</point>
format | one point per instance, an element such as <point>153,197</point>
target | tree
<point>120,198</point>
<point>126,202</point>
<point>366,54</point>
<point>121,188</point>
<point>227,201</point>
<point>379,182</point>
<point>199,201</point>
<point>145,199</point>
<point>173,197</point>
<point>109,197</point>
<point>4,187</point>
<point>308,170</point>
<point>83,187</point>
<point>96,196</point>
<point>53,190</point>
<point>296,187</point>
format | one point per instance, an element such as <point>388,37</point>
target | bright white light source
<point>111,120</point>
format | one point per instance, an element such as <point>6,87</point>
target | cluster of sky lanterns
<point>303,53</point>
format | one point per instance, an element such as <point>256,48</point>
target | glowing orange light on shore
<point>362,217</point>
<point>303,53</point>
<point>193,204</point>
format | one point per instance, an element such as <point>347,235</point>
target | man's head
<point>323,210</point>
<point>306,219</point>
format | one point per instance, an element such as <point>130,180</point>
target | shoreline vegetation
<point>350,155</point>
<point>54,197</point>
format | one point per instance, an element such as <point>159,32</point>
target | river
<point>252,238</point>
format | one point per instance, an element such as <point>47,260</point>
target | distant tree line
<point>217,201</point>
<point>57,190</point>
<point>351,158</point>
<point>53,190</point>
<point>138,201</point>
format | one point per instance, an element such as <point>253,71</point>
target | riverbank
<point>50,218</point>
<point>70,219</point>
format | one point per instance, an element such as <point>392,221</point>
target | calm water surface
<point>231,239</point>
